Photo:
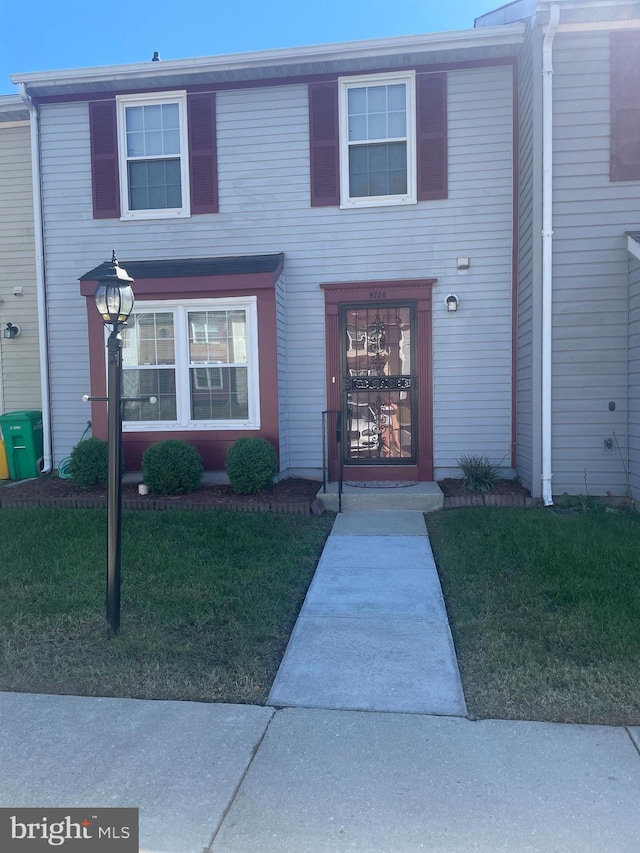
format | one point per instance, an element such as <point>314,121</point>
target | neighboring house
<point>300,225</point>
<point>19,360</point>
<point>579,193</point>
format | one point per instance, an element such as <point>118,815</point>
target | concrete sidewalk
<point>373,632</point>
<point>239,779</point>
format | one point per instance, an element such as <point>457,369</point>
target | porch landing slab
<point>423,497</point>
<point>389,523</point>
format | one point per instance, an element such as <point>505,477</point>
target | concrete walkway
<point>373,632</point>
<point>238,779</point>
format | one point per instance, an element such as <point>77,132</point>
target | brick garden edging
<point>491,500</point>
<point>297,507</point>
<point>293,507</point>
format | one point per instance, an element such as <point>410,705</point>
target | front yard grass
<point>544,611</point>
<point>208,602</point>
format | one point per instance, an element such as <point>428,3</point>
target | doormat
<point>383,484</point>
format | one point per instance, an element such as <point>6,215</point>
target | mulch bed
<point>504,493</point>
<point>295,495</point>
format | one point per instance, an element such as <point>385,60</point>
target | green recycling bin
<point>22,434</point>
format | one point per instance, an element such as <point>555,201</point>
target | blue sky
<point>44,35</point>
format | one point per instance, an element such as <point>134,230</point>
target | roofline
<point>581,4</point>
<point>456,39</point>
<point>8,102</point>
<point>13,111</point>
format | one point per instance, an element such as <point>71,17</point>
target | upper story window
<point>377,140</point>
<point>153,156</point>
<point>154,150</point>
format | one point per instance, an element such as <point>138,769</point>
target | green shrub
<point>172,467</point>
<point>479,474</point>
<point>252,464</point>
<point>90,463</point>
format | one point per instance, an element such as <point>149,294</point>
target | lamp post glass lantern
<point>114,301</point>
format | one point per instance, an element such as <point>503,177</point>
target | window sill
<point>152,214</point>
<point>378,201</point>
<point>172,426</point>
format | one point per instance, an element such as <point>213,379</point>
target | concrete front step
<point>425,497</point>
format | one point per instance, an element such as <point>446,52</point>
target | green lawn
<point>208,601</point>
<point>544,611</point>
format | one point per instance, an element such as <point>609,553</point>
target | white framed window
<point>153,156</point>
<point>377,140</point>
<point>199,359</point>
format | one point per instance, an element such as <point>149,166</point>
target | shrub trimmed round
<point>252,463</point>
<point>90,462</point>
<point>172,467</point>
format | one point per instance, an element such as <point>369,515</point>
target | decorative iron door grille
<point>378,384</point>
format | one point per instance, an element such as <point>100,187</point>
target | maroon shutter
<point>431,99</point>
<point>324,144</point>
<point>625,105</point>
<point>104,159</point>
<point>203,156</point>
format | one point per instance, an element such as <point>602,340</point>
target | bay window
<point>200,360</point>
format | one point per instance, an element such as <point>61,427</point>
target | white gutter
<point>282,57</point>
<point>547,247</point>
<point>43,343</point>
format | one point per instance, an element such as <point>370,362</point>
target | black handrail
<point>326,468</point>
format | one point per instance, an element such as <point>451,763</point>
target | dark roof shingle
<point>187,267</point>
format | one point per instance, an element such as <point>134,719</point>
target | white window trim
<point>180,309</point>
<point>124,101</point>
<point>344,84</point>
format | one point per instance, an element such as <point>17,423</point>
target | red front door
<point>379,380</point>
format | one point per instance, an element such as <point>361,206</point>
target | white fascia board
<point>7,102</point>
<point>455,40</point>
<point>584,4</point>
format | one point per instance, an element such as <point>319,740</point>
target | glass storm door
<point>379,387</point>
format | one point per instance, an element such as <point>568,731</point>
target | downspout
<point>547,247</point>
<point>43,343</point>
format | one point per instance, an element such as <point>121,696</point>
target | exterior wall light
<point>12,332</point>
<point>451,302</point>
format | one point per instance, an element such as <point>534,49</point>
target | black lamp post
<point>114,301</point>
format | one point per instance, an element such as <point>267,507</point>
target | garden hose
<point>64,468</point>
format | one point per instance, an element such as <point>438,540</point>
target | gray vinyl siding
<point>19,360</point>
<point>528,290</point>
<point>590,274</point>
<point>283,413</point>
<point>263,173</point>
<point>634,378</point>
